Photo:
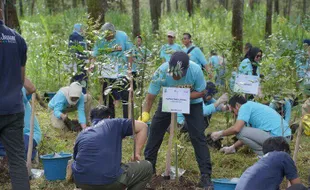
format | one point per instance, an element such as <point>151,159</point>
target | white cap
<point>171,33</point>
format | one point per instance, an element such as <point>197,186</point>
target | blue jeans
<point>196,129</point>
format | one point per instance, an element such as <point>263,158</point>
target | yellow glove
<point>145,117</point>
<point>306,124</point>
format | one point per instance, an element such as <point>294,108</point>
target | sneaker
<point>205,182</point>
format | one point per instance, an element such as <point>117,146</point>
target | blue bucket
<point>224,184</point>
<point>55,167</point>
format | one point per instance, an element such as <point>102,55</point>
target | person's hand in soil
<point>228,149</point>
<point>216,135</point>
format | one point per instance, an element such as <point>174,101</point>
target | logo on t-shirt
<point>186,86</point>
<point>7,39</point>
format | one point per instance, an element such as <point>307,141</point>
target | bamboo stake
<point>297,141</point>
<point>168,157</point>
<point>30,145</point>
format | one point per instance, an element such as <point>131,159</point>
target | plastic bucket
<point>55,167</point>
<point>224,184</point>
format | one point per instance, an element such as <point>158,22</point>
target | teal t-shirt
<point>167,50</point>
<point>246,68</point>
<point>193,79</point>
<point>118,65</point>
<point>27,117</point>
<point>287,109</point>
<point>263,117</point>
<point>196,56</point>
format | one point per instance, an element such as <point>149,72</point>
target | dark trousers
<point>12,137</point>
<point>135,177</point>
<point>196,128</point>
<point>108,99</point>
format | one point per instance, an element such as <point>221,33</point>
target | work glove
<point>145,117</point>
<point>228,149</point>
<point>223,99</point>
<point>216,135</point>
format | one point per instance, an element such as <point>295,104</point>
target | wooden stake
<point>168,158</point>
<point>176,164</point>
<point>30,144</point>
<point>131,109</point>
<point>297,141</point>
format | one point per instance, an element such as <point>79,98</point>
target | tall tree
<point>190,7</point>
<point>304,7</point>
<point>276,7</point>
<point>287,8</point>
<point>176,5</point>
<point>237,27</point>
<point>21,9</point>
<point>268,26</point>
<point>164,6</point>
<point>198,2</point>
<point>136,17</point>
<point>155,7</point>
<point>11,19</point>
<point>83,3</point>
<point>253,3</point>
<point>122,6</point>
<point>168,6</point>
<point>74,3</point>
<point>96,11</point>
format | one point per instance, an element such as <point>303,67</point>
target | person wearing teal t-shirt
<point>255,124</point>
<point>183,73</point>
<point>250,65</point>
<point>194,53</point>
<point>168,49</point>
<point>217,63</point>
<point>114,46</point>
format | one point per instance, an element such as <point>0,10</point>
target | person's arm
<point>141,136</point>
<point>149,99</point>
<point>199,86</point>
<point>288,110</point>
<point>195,94</point>
<point>23,58</point>
<point>57,105</point>
<point>81,112</point>
<point>29,86</point>
<point>235,129</point>
<point>295,181</point>
<point>23,74</point>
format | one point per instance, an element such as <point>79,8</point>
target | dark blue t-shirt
<point>268,172</point>
<point>98,152</point>
<point>13,56</point>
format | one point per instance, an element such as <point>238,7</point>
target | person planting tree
<point>98,154</point>
<point>114,45</point>
<point>269,171</point>
<point>179,72</point>
<point>255,124</point>
<point>68,99</point>
<point>168,49</point>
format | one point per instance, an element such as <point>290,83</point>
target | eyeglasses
<point>170,37</point>
<point>185,39</point>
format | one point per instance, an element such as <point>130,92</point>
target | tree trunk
<point>11,16</point>
<point>276,7</point>
<point>253,3</point>
<point>287,8</point>
<point>33,2</point>
<point>237,27</point>
<point>198,3</point>
<point>96,11</point>
<point>226,4</point>
<point>268,27</point>
<point>74,3</point>
<point>222,2</point>
<point>135,18</point>
<point>304,7</point>
<point>155,6</point>
<point>190,7</point>
<point>50,6</point>
<point>122,6</point>
<point>176,5</point>
<point>164,6</point>
<point>21,11</point>
<point>168,6</point>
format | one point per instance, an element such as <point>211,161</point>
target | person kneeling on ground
<point>98,154</point>
<point>68,99</point>
<point>262,121</point>
<point>268,172</point>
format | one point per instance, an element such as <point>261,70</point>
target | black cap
<point>178,64</point>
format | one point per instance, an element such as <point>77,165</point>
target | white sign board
<point>176,100</point>
<point>247,84</point>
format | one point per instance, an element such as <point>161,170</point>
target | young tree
<point>96,10</point>
<point>11,19</point>
<point>237,27</point>
<point>190,7</point>
<point>276,7</point>
<point>155,6</point>
<point>21,11</point>
<point>268,26</point>
<point>168,6</point>
<point>135,18</point>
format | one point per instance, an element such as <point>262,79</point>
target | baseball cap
<point>178,64</point>
<point>171,33</point>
